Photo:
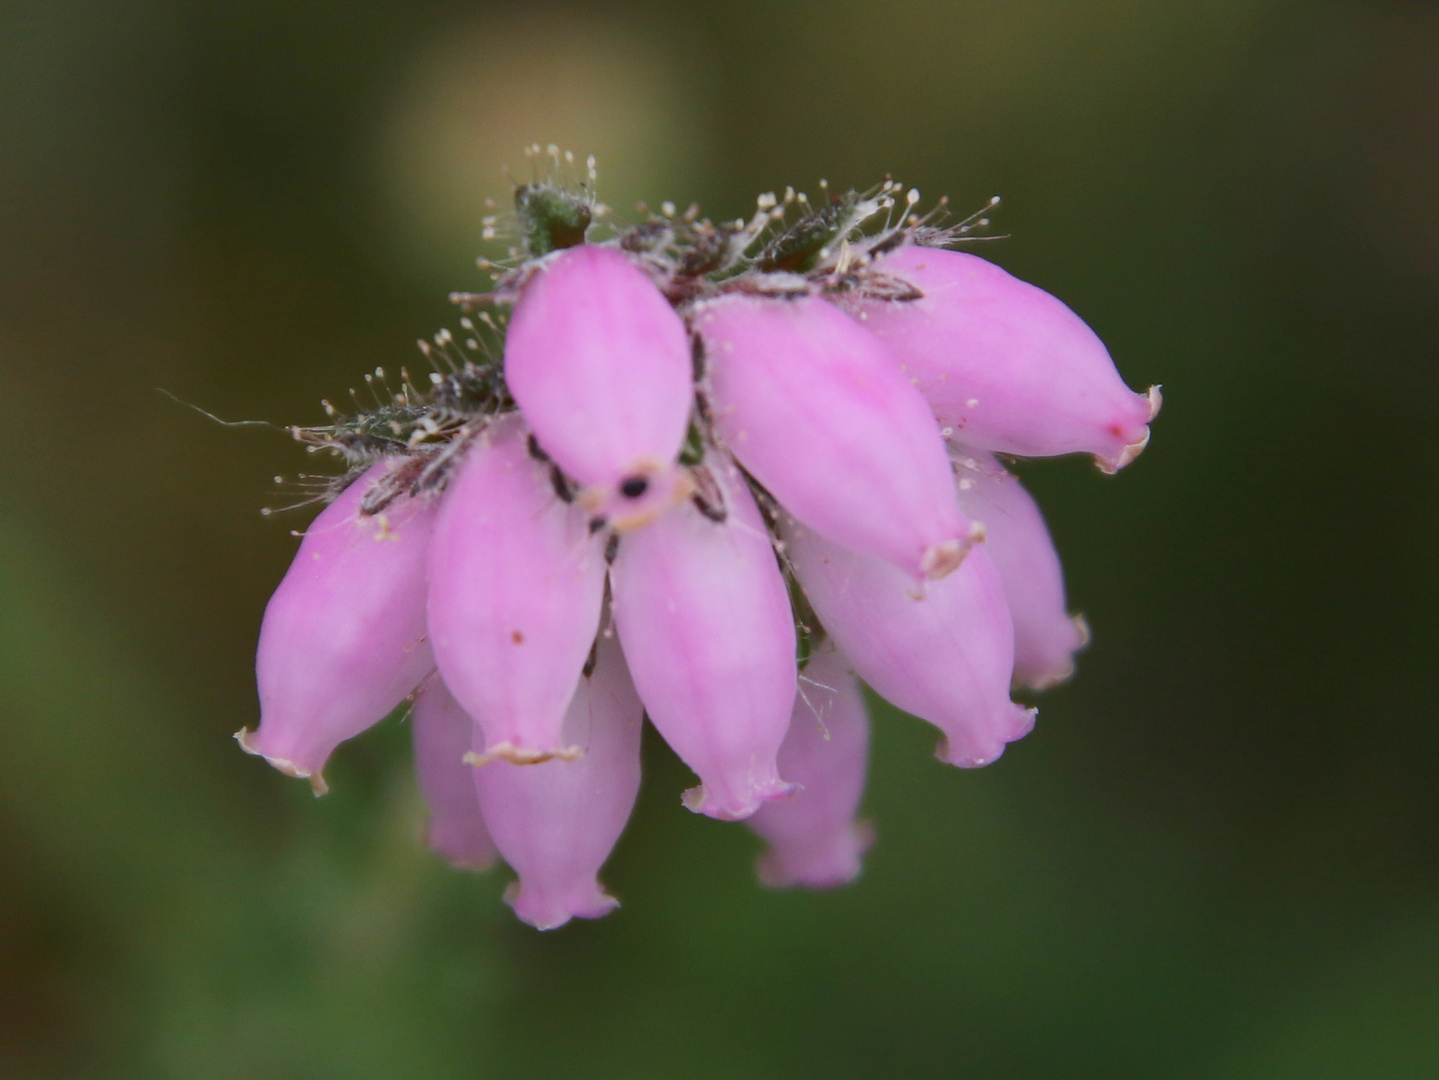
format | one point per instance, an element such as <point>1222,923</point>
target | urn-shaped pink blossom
<point>946,655</point>
<point>1003,363</point>
<point>515,583</point>
<point>704,617</point>
<point>556,822</point>
<point>600,364</point>
<point>814,839</point>
<point>444,734</point>
<point>1046,636</point>
<point>343,640</point>
<point>816,410</point>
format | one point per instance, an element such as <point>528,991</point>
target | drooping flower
<point>814,839</point>
<point>709,473</point>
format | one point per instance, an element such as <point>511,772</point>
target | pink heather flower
<point>814,839</point>
<point>443,735</point>
<point>685,455</point>
<point>703,614</point>
<point>1046,636</point>
<point>819,413</point>
<point>946,655</point>
<point>343,640</point>
<point>1005,365</point>
<point>556,822</point>
<point>600,365</point>
<point>516,582</point>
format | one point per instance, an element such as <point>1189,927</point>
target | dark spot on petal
<point>634,486</point>
<point>517,637</point>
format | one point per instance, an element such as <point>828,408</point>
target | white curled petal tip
<point>507,751</point>
<point>1049,681</point>
<point>697,800</point>
<point>284,765</point>
<point>1156,401</point>
<point>1134,449</point>
<point>1023,726</point>
<point>1128,454</point>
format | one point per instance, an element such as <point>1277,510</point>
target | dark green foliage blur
<point>1216,857</point>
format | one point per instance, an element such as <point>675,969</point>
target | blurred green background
<point>1218,855</point>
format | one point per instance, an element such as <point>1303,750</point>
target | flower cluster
<point>705,473</point>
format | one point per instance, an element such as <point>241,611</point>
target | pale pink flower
<point>556,822</point>
<point>686,456</point>
<point>444,734</point>
<point>343,640</point>
<point>813,836</point>
<point>515,585</point>
<point>1004,364</point>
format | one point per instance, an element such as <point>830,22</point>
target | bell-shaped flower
<point>600,365</point>
<point>556,823</point>
<point>444,734</point>
<point>343,638</point>
<point>816,410</point>
<point>1003,363</point>
<point>946,655</point>
<point>704,617</point>
<point>1046,636</point>
<point>814,839</point>
<point>515,586</point>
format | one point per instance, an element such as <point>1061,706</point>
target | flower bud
<point>556,822</point>
<point>600,364</point>
<point>516,583</point>
<point>343,638</point>
<point>1046,636</point>
<point>443,734</point>
<point>1003,363</point>
<point>704,616</point>
<point>946,656</point>
<point>813,837</point>
<point>815,409</point>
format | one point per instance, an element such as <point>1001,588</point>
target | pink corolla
<point>702,611</point>
<point>814,838</point>
<point>556,822</point>
<point>344,638</point>
<point>709,474</point>
<point>515,584</point>
<point>1003,364</point>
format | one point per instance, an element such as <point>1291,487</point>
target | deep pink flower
<point>707,449</point>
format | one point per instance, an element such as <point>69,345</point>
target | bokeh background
<point>1216,856</point>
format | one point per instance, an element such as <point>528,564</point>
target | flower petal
<point>1005,364</point>
<point>556,822</point>
<point>600,365</point>
<point>444,733</point>
<point>704,616</point>
<point>343,639</point>
<point>1046,636</point>
<point>947,657</point>
<point>813,837</point>
<point>817,411</point>
<point>516,583</point>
